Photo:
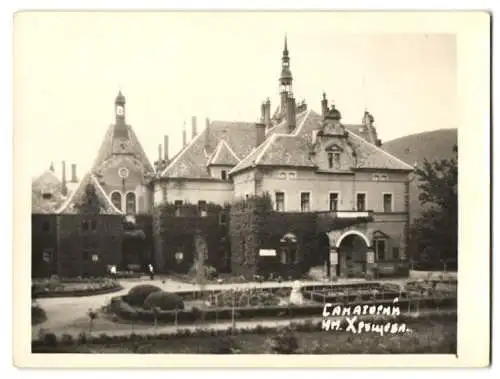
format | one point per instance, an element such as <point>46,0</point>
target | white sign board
<point>370,257</point>
<point>334,258</point>
<point>267,252</point>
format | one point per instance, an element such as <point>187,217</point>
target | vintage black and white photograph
<point>209,183</point>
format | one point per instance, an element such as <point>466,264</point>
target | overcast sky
<point>171,66</point>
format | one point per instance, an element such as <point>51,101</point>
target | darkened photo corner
<point>239,202</point>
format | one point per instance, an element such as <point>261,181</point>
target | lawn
<point>426,337</point>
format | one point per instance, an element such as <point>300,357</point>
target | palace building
<point>298,191</point>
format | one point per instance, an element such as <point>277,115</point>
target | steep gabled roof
<point>278,147</point>
<point>111,145</point>
<point>77,196</point>
<point>223,155</point>
<point>191,162</point>
<point>282,149</point>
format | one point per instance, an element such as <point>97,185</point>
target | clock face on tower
<point>119,110</point>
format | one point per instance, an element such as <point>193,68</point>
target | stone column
<point>370,262</point>
<point>334,261</point>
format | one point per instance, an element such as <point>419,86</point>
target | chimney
<point>184,137</point>
<point>260,133</point>
<point>267,115</point>
<point>64,188</point>
<point>193,126</point>
<point>207,134</point>
<point>263,111</point>
<point>165,148</point>
<point>73,173</point>
<point>290,114</point>
<point>51,168</point>
<point>160,157</point>
<point>368,121</point>
<point>324,105</point>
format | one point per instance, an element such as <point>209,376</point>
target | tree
<point>434,235</point>
<point>90,203</point>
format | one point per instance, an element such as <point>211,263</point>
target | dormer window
<point>223,175</point>
<point>333,160</point>
<point>47,196</point>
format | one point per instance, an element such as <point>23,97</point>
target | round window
<point>123,172</point>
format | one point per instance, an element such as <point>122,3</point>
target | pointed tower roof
<point>120,99</point>
<point>121,140</point>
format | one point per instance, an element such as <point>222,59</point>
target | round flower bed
<point>72,288</point>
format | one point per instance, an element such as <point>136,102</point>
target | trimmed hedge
<point>164,300</point>
<point>244,313</point>
<point>55,288</point>
<point>352,292</point>
<point>138,294</point>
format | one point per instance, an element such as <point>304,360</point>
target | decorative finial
<point>51,168</point>
<point>285,50</point>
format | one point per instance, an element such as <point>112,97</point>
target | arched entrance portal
<point>352,249</point>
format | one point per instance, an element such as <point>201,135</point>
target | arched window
<point>289,249</point>
<point>130,203</point>
<point>116,199</point>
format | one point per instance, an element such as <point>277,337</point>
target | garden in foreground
<point>429,335</point>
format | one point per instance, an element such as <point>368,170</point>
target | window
<point>282,175</point>
<point>47,196</point>
<point>85,225</point>
<point>387,202</point>
<point>116,199</point>
<point>361,202</point>
<point>46,227</point>
<point>93,225</point>
<point>395,253</point>
<point>375,177</point>
<point>48,255</point>
<point>130,203</point>
<point>178,207</point>
<point>223,218</point>
<point>334,201</point>
<point>202,208</point>
<point>336,159</point>
<point>223,175</point>
<point>280,201</point>
<point>330,160</point>
<point>305,201</point>
<point>380,247</point>
<point>292,175</point>
<point>384,177</point>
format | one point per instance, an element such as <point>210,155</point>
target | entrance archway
<point>352,248</point>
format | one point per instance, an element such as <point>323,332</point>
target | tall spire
<point>285,79</point>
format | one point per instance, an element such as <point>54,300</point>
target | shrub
<point>285,342</point>
<point>224,345</point>
<point>38,315</point>
<point>67,339</point>
<point>164,300</point>
<point>50,340</point>
<point>138,294</point>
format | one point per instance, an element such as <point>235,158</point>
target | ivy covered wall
<point>174,228</point>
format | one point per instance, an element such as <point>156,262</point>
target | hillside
<point>433,145</point>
